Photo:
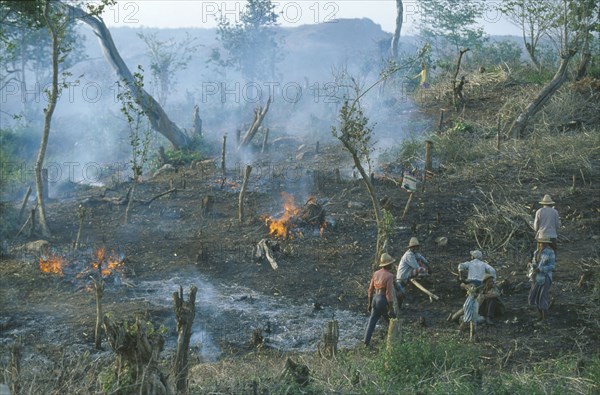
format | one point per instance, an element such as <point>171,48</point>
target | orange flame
<point>54,264</point>
<point>281,227</point>
<point>113,263</point>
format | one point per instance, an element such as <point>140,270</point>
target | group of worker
<point>483,303</point>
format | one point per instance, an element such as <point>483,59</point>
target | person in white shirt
<point>412,264</point>
<point>547,222</point>
<point>476,269</point>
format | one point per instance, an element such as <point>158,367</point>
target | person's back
<point>546,222</point>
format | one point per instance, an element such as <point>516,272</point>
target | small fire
<point>281,227</point>
<point>107,264</point>
<point>53,264</point>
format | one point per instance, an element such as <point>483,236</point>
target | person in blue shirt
<point>541,267</point>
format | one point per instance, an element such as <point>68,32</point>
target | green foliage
<point>498,53</point>
<point>167,57</point>
<point>453,22</point>
<point>116,381</point>
<point>250,42</point>
<point>354,131</point>
<point>387,224</point>
<point>139,127</point>
<point>441,365</point>
<point>182,157</point>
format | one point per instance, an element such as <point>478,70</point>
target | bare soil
<point>173,237</point>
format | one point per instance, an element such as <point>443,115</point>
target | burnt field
<point>323,269</point>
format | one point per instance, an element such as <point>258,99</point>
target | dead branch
<point>259,115</point>
<point>425,290</point>
<point>263,249</point>
<point>24,203</point>
<point>160,195</point>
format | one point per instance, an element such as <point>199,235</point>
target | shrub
<point>434,365</point>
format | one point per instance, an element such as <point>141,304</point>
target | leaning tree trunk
<point>157,116</point>
<point>49,111</point>
<point>396,37</point>
<point>518,127</point>
<point>586,55</point>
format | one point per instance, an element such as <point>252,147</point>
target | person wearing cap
<point>412,264</point>
<point>476,269</point>
<point>380,295</point>
<point>490,304</point>
<point>547,221</point>
<point>542,265</point>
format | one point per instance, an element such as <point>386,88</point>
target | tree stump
<point>208,202</point>
<point>184,313</point>
<point>394,335</point>
<point>329,342</point>
<point>138,349</point>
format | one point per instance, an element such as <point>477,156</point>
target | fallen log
<point>263,249</point>
<point>425,290</point>
<point>172,190</point>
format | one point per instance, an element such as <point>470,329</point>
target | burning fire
<point>281,227</point>
<point>111,263</point>
<point>53,264</point>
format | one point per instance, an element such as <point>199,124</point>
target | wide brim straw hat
<point>414,242</point>
<point>546,200</point>
<point>385,260</point>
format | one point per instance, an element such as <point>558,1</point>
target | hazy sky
<point>197,13</point>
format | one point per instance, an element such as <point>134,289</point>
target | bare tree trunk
<point>99,287</point>
<point>223,171</point>
<point>243,193</point>
<point>185,313</point>
<point>518,127</point>
<point>396,37</point>
<point>156,114</point>
<point>259,115</point>
<point>457,89</point>
<point>48,112</point>
<point>586,55</point>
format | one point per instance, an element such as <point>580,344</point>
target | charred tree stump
<point>441,121</point>
<point>208,202</point>
<point>99,288</point>
<point>24,202</point>
<point>197,123</point>
<point>81,213</point>
<point>185,313</point>
<point>137,350</point>
<point>329,342</point>
<point>162,157</point>
<point>243,193</point>
<point>296,371</point>
<point>223,155</point>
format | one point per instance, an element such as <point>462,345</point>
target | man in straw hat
<point>542,265</point>
<point>412,264</point>
<point>546,221</point>
<point>380,295</point>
